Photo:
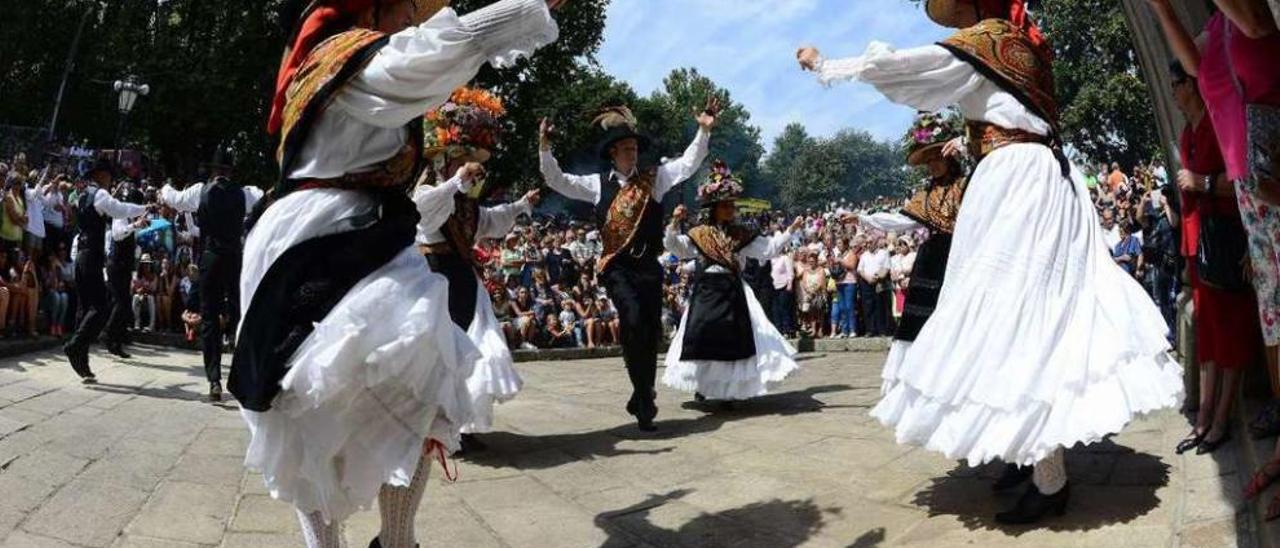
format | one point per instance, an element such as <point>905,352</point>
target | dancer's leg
<point>398,506</point>
<point>318,534</point>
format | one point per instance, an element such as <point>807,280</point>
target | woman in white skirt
<point>349,372</point>
<point>459,137</point>
<point>1039,341</point>
<point>725,347</point>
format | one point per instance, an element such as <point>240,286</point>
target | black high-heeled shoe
<point>1034,506</point>
<point>378,544</point>
<point>1207,446</point>
<point>1190,442</point>
<point>1013,476</point>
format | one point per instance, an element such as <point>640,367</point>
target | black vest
<point>92,224</point>
<point>123,254</point>
<point>646,247</point>
<point>221,216</point>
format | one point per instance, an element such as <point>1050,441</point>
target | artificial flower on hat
<point>721,186</point>
<point>469,124</point>
<point>929,131</point>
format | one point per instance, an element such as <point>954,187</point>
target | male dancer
<point>121,260</point>
<point>95,208</point>
<point>628,207</point>
<point>221,207</point>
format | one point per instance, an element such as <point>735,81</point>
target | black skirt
<point>926,283</point>
<point>719,322</point>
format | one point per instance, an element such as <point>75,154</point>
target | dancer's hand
<point>796,224</point>
<point>679,214</point>
<point>954,148</point>
<point>470,173</point>
<point>808,57</point>
<point>533,197</point>
<point>707,118</point>
<point>545,130</point>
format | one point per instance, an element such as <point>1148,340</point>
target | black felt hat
<point>618,124</point>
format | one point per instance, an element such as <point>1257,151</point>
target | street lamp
<point>129,90</point>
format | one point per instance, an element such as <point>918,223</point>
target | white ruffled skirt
<point>733,380</point>
<point>1039,340</point>
<point>385,370</point>
<point>494,379</point>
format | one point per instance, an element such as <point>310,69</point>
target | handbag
<point>1222,248</point>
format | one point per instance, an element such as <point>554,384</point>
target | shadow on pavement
<point>776,523</point>
<point>504,446</point>
<point>1110,484</point>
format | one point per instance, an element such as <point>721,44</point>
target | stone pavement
<point>141,461</point>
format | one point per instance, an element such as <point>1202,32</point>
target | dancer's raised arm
<point>583,188</point>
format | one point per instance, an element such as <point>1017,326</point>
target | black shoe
<point>698,397</point>
<point>1207,446</point>
<point>215,392</point>
<point>646,424</point>
<point>378,544</point>
<point>1190,442</point>
<point>117,349</point>
<point>1013,476</point>
<point>89,380</point>
<point>1034,506</point>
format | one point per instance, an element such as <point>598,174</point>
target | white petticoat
<point>383,371</point>
<point>1039,340</point>
<point>735,380</point>
<point>494,379</point>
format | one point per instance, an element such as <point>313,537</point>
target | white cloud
<point>748,47</point>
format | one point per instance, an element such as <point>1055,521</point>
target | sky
<point>748,47</point>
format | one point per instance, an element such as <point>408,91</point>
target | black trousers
<point>119,281</point>
<point>635,287</point>
<point>91,294</point>
<point>873,310</point>
<point>219,292</point>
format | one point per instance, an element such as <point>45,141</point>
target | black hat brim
<point>620,134</point>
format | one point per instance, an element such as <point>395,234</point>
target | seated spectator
<point>554,334</point>
<point>189,289</point>
<point>166,291</point>
<point>506,315</point>
<point>569,318</point>
<point>607,324</point>
<point>144,294</point>
<point>526,319</point>
<point>57,301</point>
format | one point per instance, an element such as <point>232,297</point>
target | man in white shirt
<point>782,270</point>
<point>628,204</point>
<point>873,271</point>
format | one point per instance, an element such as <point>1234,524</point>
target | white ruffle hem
<point>382,372</point>
<point>1039,340</point>
<point>735,380</point>
<point>494,378</point>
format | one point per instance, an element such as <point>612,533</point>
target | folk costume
<point>346,359</point>
<point>628,210</point>
<point>934,208</point>
<point>1070,348</point>
<point>725,348</point>
<point>453,221</point>
<point>221,206</point>
<point>95,211</point>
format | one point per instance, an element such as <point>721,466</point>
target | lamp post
<point>129,90</point>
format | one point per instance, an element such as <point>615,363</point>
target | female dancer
<point>1039,341</point>
<point>725,348</point>
<point>348,369</point>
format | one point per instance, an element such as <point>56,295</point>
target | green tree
<point>811,172</point>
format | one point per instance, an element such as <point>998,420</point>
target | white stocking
<point>398,505</point>
<point>1050,474</point>
<point>318,534</point>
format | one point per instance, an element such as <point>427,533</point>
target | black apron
<point>719,324</point>
<point>926,284</point>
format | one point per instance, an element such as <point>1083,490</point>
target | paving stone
<point>87,513</point>
<point>263,514</point>
<point>133,541</point>
<point>1210,534</point>
<point>187,512</point>
<point>260,540</point>
<point>141,471</point>
<point>22,494</point>
<point>221,441</point>
<point>47,467</point>
<point>1209,499</point>
<point>209,469</point>
<point>23,539</point>
<point>537,517</point>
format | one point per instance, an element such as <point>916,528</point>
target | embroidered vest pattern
<point>622,221</point>
<point>721,245</point>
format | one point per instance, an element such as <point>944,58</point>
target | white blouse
<point>418,69</point>
<point>436,204</point>
<point>761,248</point>
<point>931,78</point>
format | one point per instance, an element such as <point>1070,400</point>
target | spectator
<point>189,288</point>
<point>56,298</point>
<point>783,272</point>
<point>14,220</point>
<point>812,295</point>
<point>874,287</point>
<point>144,294</point>
<point>900,264</point>
<point>555,334</point>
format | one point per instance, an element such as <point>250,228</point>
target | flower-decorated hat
<point>469,125</point>
<point>928,133</point>
<point>721,186</point>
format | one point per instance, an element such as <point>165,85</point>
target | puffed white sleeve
<point>679,244</point>
<point>435,203</point>
<point>420,66</point>
<point>583,188</point>
<point>497,221</point>
<point>679,170</point>
<point>766,247</point>
<point>924,78</point>
<point>252,195</point>
<point>889,222</point>
<point>111,207</point>
<point>184,200</point>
